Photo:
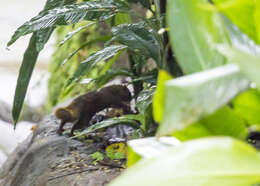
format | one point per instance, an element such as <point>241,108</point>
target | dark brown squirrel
<point>84,107</point>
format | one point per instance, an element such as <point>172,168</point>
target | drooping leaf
<point>192,97</point>
<point>207,161</point>
<point>137,38</point>
<point>74,32</point>
<point>247,106</point>
<point>148,148</point>
<point>194,31</point>
<point>158,100</point>
<point>36,44</point>
<point>102,55</point>
<point>240,13</point>
<point>68,14</point>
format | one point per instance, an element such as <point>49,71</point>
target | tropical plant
<point>214,47</point>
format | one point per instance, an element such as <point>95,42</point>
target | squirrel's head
<point>64,114</point>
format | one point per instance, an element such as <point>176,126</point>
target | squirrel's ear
<point>63,114</point>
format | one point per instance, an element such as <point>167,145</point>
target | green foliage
<point>97,156</point>
<point>198,95</point>
<point>209,161</point>
<point>194,32</point>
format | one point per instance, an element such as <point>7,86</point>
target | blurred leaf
<point>137,38</point>
<point>148,148</point>
<point>145,3</point>
<point>240,40</point>
<point>194,31</point>
<point>208,161</point>
<point>249,63</point>
<point>102,55</point>
<point>223,122</point>
<point>257,18</point>
<point>192,97</point>
<point>110,74</point>
<point>68,14</point>
<point>36,44</point>
<point>122,18</point>
<point>240,13</point>
<point>159,97</point>
<point>74,32</point>
<point>126,119</point>
<point>116,151</point>
<point>247,106</point>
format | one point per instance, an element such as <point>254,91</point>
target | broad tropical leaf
<point>207,161</point>
<point>68,14</point>
<point>194,32</point>
<point>193,97</point>
<point>137,38</point>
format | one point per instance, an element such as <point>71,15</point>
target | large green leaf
<point>203,162</point>
<point>37,42</point>
<point>257,18</point>
<point>68,14</point>
<point>138,39</point>
<point>241,13</point>
<point>247,106</point>
<point>102,55</point>
<point>248,62</point>
<point>148,148</point>
<point>223,122</point>
<point>192,97</point>
<point>194,31</point>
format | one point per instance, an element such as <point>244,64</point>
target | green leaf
<point>208,161</point>
<point>126,119</point>
<point>241,13</point>
<point>192,97</point>
<point>36,44</point>
<point>74,32</point>
<point>159,98</point>
<point>148,148</point>
<point>137,38</point>
<point>68,14</point>
<point>257,18</point>
<point>102,55</point>
<point>194,32</point>
<point>247,106</point>
<point>223,122</point>
<point>248,62</point>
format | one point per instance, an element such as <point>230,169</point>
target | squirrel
<point>84,107</point>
